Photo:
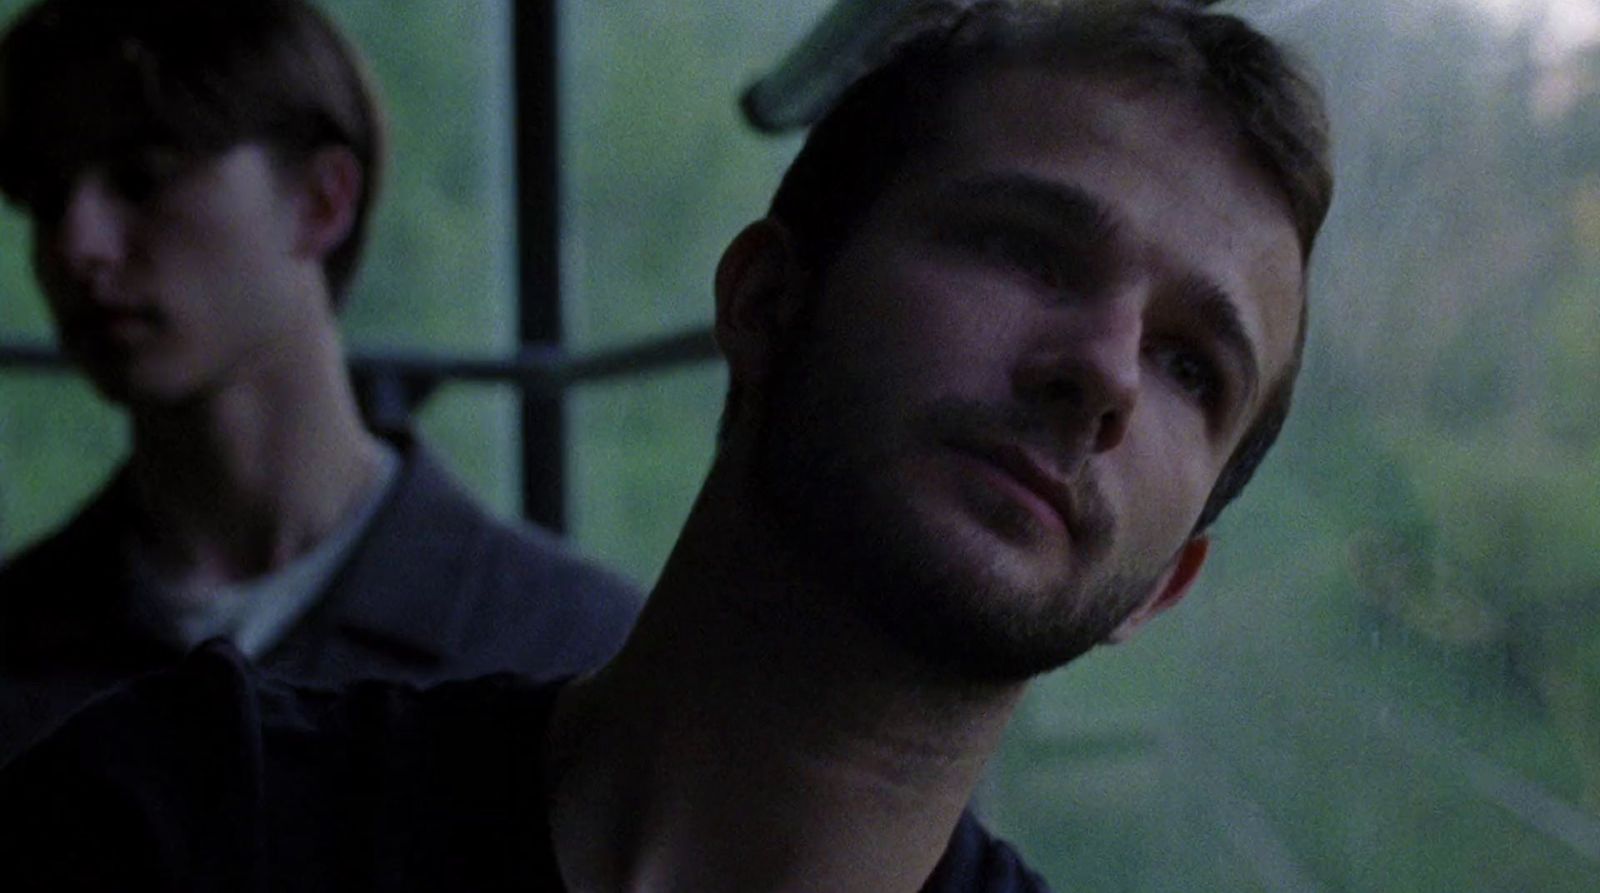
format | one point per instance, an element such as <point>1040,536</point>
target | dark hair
<point>87,81</point>
<point>897,108</point>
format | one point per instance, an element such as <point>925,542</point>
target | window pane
<point>660,174</point>
<point>660,171</point>
<point>441,268</point>
<point>438,273</point>
<point>641,448</point>
<point>1391,678</point>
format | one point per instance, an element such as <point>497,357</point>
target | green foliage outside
<point>1390,677</point>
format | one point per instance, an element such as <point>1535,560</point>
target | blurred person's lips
<point>114,322</point>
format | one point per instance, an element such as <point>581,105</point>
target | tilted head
<point>901,108</point>
<point>1025,314</point>
<point>87,83</point>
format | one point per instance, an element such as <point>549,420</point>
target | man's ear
<point>760,288</point>
<point>1174,583</point>
<point>330,184</point>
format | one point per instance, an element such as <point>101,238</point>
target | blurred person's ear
<point>330,184</point>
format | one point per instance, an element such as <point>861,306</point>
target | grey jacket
<point>436,589</point>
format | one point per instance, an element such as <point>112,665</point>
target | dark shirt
<point>434,589</point>
<point>213,779</point>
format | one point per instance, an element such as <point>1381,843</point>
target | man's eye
<point>1017,252</point>
<point>1192,372</point>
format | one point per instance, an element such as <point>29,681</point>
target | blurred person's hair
<point>98,82</point>
<point>900,106</point>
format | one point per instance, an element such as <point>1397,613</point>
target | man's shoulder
<point>48,589</point>
<point>427,498</point>
<point>978,862</point>
<point>79,546</point>
<point>41,564</point>
<point>515,585</point>
<point>188,776</point>
<point>217,695</point>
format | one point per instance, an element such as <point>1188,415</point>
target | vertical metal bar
<point>538,214</point>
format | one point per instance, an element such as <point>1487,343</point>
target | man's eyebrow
<point>1075,210</point>
<point>1080,212</point>
<point>1218,314</point>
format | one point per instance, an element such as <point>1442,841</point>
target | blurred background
<point>1390,679</point>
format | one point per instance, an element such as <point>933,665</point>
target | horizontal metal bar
<point>535,367</point>
<point>31,356</point>
<point>693,346</point>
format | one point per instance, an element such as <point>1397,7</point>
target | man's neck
<point>240,481</point>
<point>753,734</point>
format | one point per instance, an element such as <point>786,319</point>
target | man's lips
<point>1035,477</point>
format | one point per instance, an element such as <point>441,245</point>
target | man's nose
<point>89,235</point>
<point>1085,373</point>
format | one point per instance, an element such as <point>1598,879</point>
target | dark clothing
<point>434,589</point>
<point>976,862</point>
<point>210,779</point>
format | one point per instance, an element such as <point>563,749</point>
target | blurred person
<point>1024,316</point>
<point>199,177</point>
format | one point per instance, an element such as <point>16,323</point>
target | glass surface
<point>438,273</point>
<point>441,271</point>
<point>660,174</point>
<point>660,171</point>
<point>640,450</point>
<point>1390,677</point>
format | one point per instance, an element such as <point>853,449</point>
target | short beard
<point>816,471</point>
<point>978,625</point>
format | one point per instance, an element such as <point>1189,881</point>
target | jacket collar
<point>411,580</point>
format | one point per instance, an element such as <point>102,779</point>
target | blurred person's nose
<point>89,235</point>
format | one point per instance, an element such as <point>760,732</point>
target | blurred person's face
<point>1025,371</point>
<point>169,276</point>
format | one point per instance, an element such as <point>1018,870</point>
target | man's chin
<point>996,545</point>
<point>968,583</point>
<point>135,388</point>
<point>985,604</point>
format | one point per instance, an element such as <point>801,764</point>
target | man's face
<point>168,277</point>
<point>1025,370</point>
